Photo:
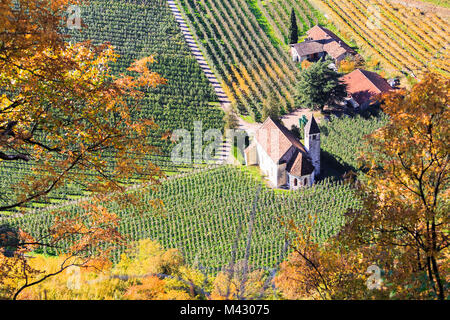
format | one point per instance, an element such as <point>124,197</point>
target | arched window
<point>305,181</point>
<point>295,182</point>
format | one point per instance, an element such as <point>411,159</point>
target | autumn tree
<point>347,66</point>
<point>65,114</point>
<point>407,188</point>
<point>319,86</point>
<point>402,228</point>
<point>236,282</point>
<point>145,271</point>
<point>316,271</point>
<point>306,64</point>
<point>351,63</point>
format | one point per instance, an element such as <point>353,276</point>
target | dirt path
<point>292,118</point>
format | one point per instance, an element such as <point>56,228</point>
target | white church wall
<point>296,183</point>
<point>267,165</point>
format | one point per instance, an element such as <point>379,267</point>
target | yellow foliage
<point>305,64</point>
<point>347,66</point>
<point>147,271</point>
<point>63,100</point>
<point>234,284</point>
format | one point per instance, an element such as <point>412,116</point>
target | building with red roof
<point>364,86</point>
<point>282,157</point>
<point>321,42</point>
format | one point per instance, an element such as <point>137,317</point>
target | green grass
<point>265,25</point>
<point>248,119</point>
<point>237,154</point>
<point>254,172</point>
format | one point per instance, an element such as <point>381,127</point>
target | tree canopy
<point>320,86</point>
<point>401,232</point>
<point>407,188</point>
<point>63,111</point>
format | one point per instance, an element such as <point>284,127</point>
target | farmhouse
<point>363,86</point>
<point>282,157</point>
<point>321,42</point>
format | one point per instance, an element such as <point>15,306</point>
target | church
<point>286,162</point>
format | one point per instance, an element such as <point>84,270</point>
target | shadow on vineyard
<point>333,168</point>
<point>9,239</point>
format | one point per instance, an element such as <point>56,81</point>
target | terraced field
<point>209,214</point>
<point>141,28</point>
<point>402,38</point>
<point>251,65</point>
<point>278,13</point>
<point>138,29</point>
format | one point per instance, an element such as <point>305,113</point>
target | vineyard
<point>278,13</point>
<point>208,213</point>
<point>251,67</point>
<point>343,137</point>
<point>137,29</point>
<point>142,28</point>
<point>401,38</point>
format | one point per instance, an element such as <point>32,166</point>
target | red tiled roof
<point>362,85</point>
<point>276,140</point>
<point>301,166</point>
<point>336,47</point>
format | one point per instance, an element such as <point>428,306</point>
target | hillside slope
<point>209,214</point>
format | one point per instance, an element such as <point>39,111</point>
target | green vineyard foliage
<point>137,29</point>
<point>207,214</point>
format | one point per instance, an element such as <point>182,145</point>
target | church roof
<point>277,140</point>
<point>311,127</point>
<point>336,45</point>
<point>300,165</point>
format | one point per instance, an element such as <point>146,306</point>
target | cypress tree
<point>293,30</point>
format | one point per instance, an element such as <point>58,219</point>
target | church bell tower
<point>312,143</point>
